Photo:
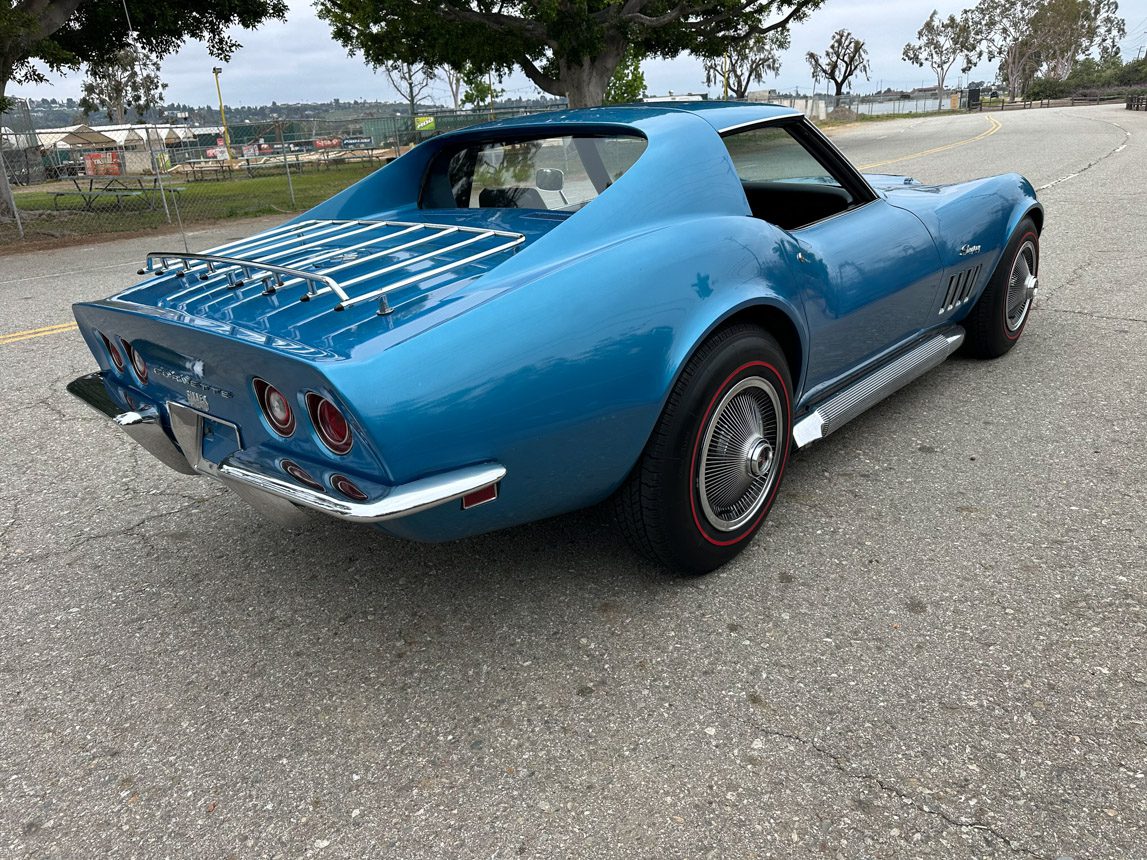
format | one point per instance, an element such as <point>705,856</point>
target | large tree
<point>64,34</point>
<point>628,81</point>
<point>1006,36</point>
<point>746,63</point>
<point>943,41</point>
<point>566,48</point>
<point>129,80</point>
<point>1068,30</point>
<point>1026,36</point>
<point>844,59</point>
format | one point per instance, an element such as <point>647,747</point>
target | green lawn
<point>198,202</point>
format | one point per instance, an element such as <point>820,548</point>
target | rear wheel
<point>709,474</point>
<point>998,319</point>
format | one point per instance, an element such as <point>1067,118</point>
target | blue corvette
<point>648,304</point>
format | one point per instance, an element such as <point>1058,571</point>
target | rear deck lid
<point>331,283</point>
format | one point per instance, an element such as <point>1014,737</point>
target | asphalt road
<point>934,649</point>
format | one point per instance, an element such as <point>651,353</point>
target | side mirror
<point>550,179</point>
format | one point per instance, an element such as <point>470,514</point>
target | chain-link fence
<point>84,180</point>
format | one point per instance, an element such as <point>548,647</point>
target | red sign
<point>102,163</point>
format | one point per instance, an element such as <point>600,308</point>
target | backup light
<point>137,362</point>
<point>276,408</point>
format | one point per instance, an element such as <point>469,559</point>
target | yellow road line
<point>994,126</point>
<point>16,336</point>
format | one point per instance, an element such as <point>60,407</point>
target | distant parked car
<point>645,304</point>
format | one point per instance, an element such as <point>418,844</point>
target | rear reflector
<point>300,474</point>
<point>480,497</point>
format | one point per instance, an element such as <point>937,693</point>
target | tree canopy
<point>1047,37</point>
<point>566,49</point>
<point>64,34</point>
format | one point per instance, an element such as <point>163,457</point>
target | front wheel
<point>999,316</point>
<point>711,470</point>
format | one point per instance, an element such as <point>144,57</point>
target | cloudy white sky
<point>297,61</point>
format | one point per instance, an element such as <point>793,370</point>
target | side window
<point>784,182</point>
<point>773,155</point>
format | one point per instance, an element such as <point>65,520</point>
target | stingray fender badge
<point>965,250</point>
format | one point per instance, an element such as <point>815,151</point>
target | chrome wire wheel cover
<point>1021,286</point>
<point>740,454</point>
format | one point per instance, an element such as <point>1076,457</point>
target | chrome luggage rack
<point>305,253</point>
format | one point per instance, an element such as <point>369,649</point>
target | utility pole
<point>222,115</point>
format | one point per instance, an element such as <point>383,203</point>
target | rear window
<point>560,173</point>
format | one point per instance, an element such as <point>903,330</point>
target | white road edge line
<point>1120,148</point>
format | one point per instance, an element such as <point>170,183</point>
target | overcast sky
<point>297,61</point>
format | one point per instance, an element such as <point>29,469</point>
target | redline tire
<point>711,470</point>
<point>1002,312</point>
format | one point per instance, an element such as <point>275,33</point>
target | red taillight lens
<point>330,423</point>
<point>137,362</point>
<point>276,408</point>
<point>347,487</point>
<point>113,352</point>
<point>300,474</point>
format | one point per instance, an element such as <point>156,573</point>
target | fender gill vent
<point>960,287</point>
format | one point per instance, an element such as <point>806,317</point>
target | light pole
<point>222,115</point>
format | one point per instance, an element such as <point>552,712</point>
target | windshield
<point>558,173</point>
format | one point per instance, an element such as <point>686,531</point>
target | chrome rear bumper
<point>271,496</point>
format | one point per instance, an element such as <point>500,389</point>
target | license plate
<point>204,439</point>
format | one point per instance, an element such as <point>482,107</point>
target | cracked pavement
<point>935,648</point>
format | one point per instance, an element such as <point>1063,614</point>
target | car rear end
<point>230,366</point>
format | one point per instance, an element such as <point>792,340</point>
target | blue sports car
<point>647,304</point>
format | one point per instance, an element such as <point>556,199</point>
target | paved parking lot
<point>935,648</point>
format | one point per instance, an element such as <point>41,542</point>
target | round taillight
<point>331,424</point>
<point>300,474</point>
<point>113,352</point>
<point>137,362</point>
<point>276,408</point>
<point>347,487</point>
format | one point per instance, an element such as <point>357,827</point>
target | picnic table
<point>208,168</point>
<point>93,189</point>
<point>218,168</point>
